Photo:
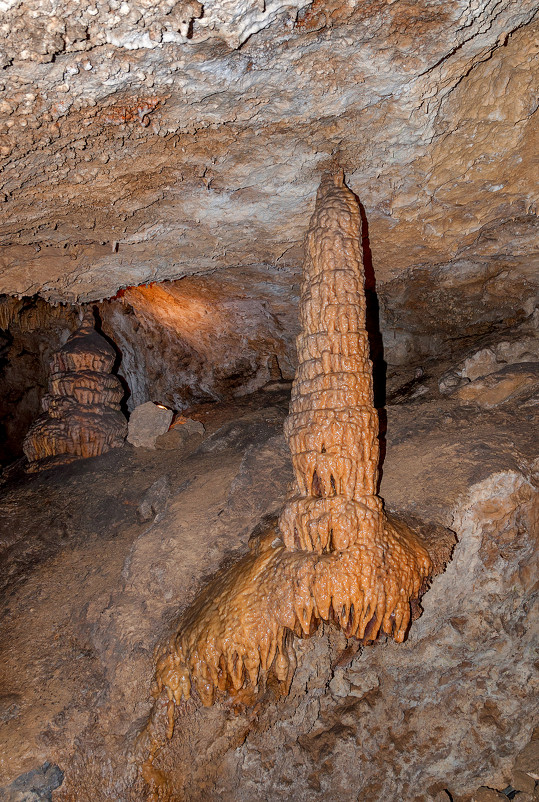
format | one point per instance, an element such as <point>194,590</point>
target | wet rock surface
<point>102,557</point>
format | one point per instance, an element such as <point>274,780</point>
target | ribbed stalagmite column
<point>340,558</point>
<point>332,428</point>
<point>81,412</point>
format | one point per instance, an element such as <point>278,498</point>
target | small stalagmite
<point>81,412</point>
<point>335,555</point>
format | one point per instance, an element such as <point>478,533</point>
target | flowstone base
<point>240,626</point>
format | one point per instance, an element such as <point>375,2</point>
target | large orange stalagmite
<point>335,554</point>
<point>332,429</point>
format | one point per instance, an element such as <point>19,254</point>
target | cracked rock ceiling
<point>145,141</point>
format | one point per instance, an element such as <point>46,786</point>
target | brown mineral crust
<point>81,413</point>
<point>332,428</point>
<point>86,387</point>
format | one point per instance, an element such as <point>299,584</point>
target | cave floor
<point>100,557</point>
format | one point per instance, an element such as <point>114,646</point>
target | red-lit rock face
<point>203,339</point>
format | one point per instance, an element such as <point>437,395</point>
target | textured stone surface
<point>34,786</point>
<point>203,338</point>
<point>131,154</point>
<point>146,423</point>
<point>525,775</point>
<point>485,794</point>
<point>514,381</point>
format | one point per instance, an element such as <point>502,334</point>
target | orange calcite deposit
<point>337,556</point>
<point>81,416</point>
<point>332,428</point>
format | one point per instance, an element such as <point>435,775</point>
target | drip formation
<point>336,555</point>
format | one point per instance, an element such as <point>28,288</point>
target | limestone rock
<point>226,146</point>
<point>181,431</point>
<point>34,786</point>
<point>524,348</point>
<point>339,685</point>
<point>485,794</point>
<point>450,382</point>
<point>362,680</point>
<point>202,338</point>
<point>146,423</point>
<point>194,426</point>
<point>172,439</point>
<point>525,776</point>
<point>189,425</point>
<point>514,381</point>
<point>155,499</point>
<point>480,364</point>
<point>81,416</point>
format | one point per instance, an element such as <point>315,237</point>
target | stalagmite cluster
<point>336,555</point>
<point>81,412</point>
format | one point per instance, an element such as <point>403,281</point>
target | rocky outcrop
<point>81,416</point>
<point>202,339</point>
<point>147,422</point>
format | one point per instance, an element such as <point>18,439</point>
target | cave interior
<point>178,316</point>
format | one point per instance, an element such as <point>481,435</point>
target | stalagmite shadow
<point>376,343</point>
<point>334,555</point>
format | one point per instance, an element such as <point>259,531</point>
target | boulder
<point>146,423</point>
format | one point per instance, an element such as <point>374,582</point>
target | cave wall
<point>204,338</point>
<point>152,142</point>
<point>226,334</point>
<point>178,343</point>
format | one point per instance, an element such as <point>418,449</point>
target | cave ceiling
<point>148,141</point>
